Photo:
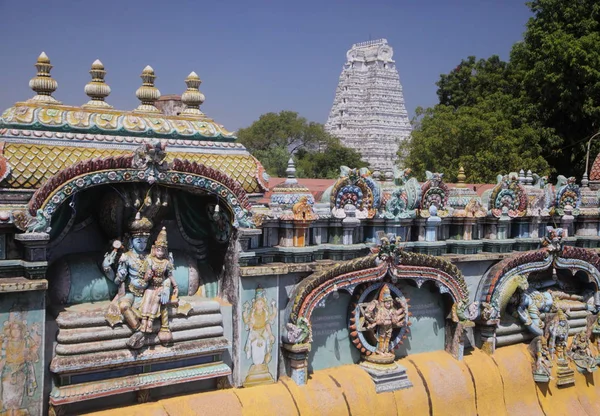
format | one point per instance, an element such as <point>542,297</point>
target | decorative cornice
<point>65,119</point>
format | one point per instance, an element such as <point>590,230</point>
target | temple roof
<point>43,111</point>
<point>41,136</point>
<point>52,117</point>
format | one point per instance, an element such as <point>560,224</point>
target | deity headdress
<point>140,226</point>
<point>161,240</point>
<point>384,294</point>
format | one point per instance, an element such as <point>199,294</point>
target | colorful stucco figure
<point>259,316</point>
<point>381,316</point>
<point>162,289</point>
<point>129,275</point>
<point>21,342</point>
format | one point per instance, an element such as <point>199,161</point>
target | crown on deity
<point>140,226</point>
<point>161,240</point>
<point>384,294</point>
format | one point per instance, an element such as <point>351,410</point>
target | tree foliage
<point>275,136</point>
<point>534,112</point>
<point>478,124</point>
<point>559,64</point>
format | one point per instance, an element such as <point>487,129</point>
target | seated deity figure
<point>581,353</point>
<point>129,275</point>
<point>162,289</point>
<point>382,317</point>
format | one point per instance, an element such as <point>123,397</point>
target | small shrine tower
<point>368,112</point>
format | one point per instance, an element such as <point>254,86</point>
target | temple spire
<point>147,93</point>
<point>43,84</point>
<point>192,97</point>
<point>461,177</point>
<point>97,89</point>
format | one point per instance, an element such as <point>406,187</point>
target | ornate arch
<point>387,260</point>
<point>499,283</point>
<point>147,164</point>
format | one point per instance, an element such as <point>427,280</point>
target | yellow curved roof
<point>497,385</point>
<point>33,164</point>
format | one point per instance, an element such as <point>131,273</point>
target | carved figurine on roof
<point>355,187</point>
<point>568,196</point>
<point>434,193</point>
<point>463,201</point>
<point>507,196</point>
<point>540,195</point>
<point>402,199</point>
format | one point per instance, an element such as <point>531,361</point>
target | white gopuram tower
<point>368,112</point>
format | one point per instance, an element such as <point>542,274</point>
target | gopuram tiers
<point>368,112</point>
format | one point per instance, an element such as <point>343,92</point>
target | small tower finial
<point>461,177</point>
<point>291,172</point>
<point>192,97</point>
<point>43,84</point>
<point>97,89</point>
<point>147,93</point>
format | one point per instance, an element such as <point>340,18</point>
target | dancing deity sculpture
<point>382,316</point>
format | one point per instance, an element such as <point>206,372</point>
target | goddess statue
<point>382,317</point>
<point>258,316</point>
<point>581,353</point>
<point>162,289</point>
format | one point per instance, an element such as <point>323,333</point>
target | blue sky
<point>253,56</point>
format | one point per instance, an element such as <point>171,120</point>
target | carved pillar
<point>468,226</point>
<point>296,362</point>
<point>488,337</point>
<point>286,234</point>
<point>349,224</point>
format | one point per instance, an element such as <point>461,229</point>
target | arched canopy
<point>500,282</point>
<point>145,165</point>
<point>313,290</point>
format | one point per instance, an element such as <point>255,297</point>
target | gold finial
<point>192,97</point>
<point>461,178</point>
<point>43,84</point>
<point>147,93</point>
<point>97,89</point>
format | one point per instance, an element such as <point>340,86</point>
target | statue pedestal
<point>387,377</point>
<point>565,375</point>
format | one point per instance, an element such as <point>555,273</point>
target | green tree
<point>479,124</point>
<point>275,136</point>
<point>545,101</point>
<point>559,62</point>
<point>326,163</point>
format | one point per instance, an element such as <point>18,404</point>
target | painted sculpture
<point>434,193</point>
<point>542,364</point>
<point>162,290</point>
<point>258,316</point>
<point>581,353</point>
<point>130,279</point>
<point>381,316</point>
<point>531,303</point>
<point>20,350</point>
